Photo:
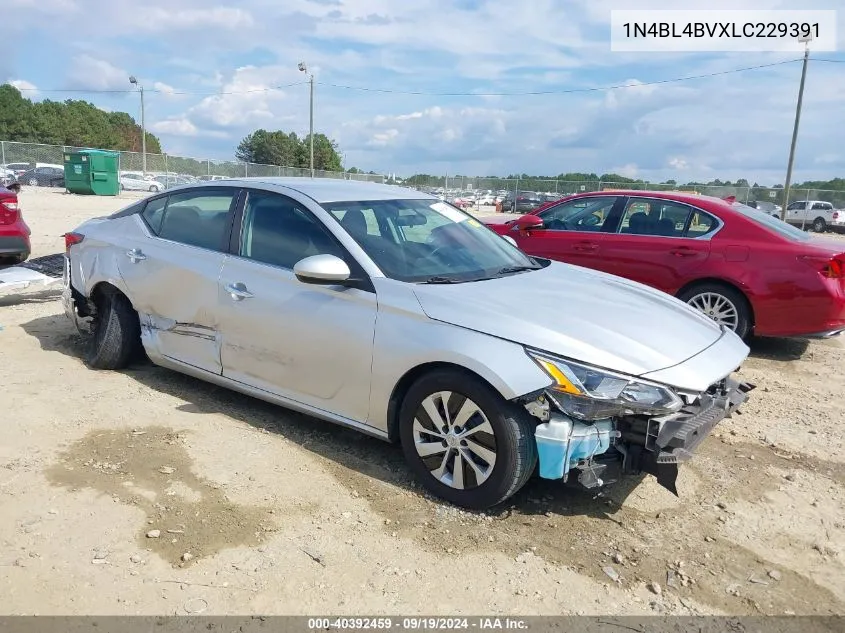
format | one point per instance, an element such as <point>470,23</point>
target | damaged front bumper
<point>654,445</point>
<point>659,445</point>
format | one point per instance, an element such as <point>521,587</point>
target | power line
<point>559,92</point>
<point>829,61</point>
<point>431,94</point>
<point>161,91</point>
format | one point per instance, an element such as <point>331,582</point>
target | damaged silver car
<point>386,310</point>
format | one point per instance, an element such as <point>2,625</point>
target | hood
<point>580,314</point>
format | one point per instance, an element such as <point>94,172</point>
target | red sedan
<point>14,233</point>
<point>746,270</point>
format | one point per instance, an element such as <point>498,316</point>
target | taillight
<point>8,211</point>
<point>836,215</point>
<point>829,267</point>
<point>71,239</point>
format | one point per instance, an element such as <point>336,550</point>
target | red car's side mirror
<point>529,223</point>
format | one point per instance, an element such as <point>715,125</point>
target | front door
<point>659,243</point>
<point>573,231</point>
<point>308,343</point>
<point>171,268</point>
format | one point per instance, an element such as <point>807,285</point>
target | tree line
<point>72,122</point>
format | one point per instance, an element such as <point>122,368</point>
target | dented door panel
<point>312,344</point>
<point>174,289</point>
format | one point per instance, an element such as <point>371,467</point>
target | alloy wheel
<point>33,182</point>
<point>717,307</point>
<point>455,440</point>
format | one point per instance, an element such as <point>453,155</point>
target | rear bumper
<point>69,298</point>
<point>14,245</point>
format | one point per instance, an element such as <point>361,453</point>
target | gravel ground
<point>148,492</point>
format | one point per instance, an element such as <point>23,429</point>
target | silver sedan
<point>396,314</point>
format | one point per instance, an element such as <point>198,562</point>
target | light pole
<point>134,81</point>
<point>303,68</point>
<point>806,40</point>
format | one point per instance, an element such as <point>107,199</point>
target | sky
<point>208,66</point>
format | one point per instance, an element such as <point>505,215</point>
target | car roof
<point>323,190</point>
<point>686,197</point>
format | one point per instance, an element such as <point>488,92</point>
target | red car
<point>746,270</point>
<point>14,233</point>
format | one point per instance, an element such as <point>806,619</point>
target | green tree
<point>288,150</point>
<point>72,122</point>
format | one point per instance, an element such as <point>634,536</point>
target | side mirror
<point>322,269</point>
<point>508,238</point>
<point>529,223</point>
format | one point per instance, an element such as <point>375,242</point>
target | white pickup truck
<point>810,214</point>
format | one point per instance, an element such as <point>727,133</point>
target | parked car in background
<point>212,177</point>
<point>487,199</point>
<point>167,181</point>
<point>769,208</point>
<point>521,202</point>
<point>43,177</point>
<point>14,232</point>
<point>746,270</point>
<point>19,168</point>
<point>129,183</point>
<point>837,222</point>
<point>387,311</point>
<point>810,214</point>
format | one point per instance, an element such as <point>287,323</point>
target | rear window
<point>772,223</point>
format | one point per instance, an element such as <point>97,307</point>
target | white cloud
<point>176,127</point>
<point>166,19</point>
<point>90,73</point>
<point>164,88</point>
<point>27,88</point>
<point>676,162</point>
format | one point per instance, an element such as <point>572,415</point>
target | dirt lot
<point>282,514</point>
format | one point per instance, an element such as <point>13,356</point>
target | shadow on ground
<point>351,451</point>
<point>779,349</point>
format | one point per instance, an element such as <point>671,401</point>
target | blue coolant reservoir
<point>562,443</point>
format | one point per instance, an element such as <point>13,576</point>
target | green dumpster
<point>92,172</point>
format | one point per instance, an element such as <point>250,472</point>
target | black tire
<point>513,430</point>
<point>122,188</point>
<point>819,225</point>
<point>154,189</point>
<point>116,333</point>
<point>736,298</point>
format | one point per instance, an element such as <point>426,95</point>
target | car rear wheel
<point>116,331</point>
<point>33,182</point>
<point>725,305</point>
<point>463,441</point>
<point>819,225</point>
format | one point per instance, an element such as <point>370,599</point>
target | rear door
<point>573,231</point>
<point>660,243</point>
<point>171,271</point>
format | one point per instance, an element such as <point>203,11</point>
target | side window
<point>822,206</point>
<point>197,218</point>
<point>661,218</point>
<point>279,231</point>
<point>153,214</point>
<point>582,214</point>
<point>701,224</point>
<point>794,206</point>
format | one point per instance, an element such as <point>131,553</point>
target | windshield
<point>428,241</point>
<point>772,223</point>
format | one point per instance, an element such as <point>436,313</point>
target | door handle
<point>135,255</point>
<point>682,252</point>
<point>238,291</point>
<point>586,247</point>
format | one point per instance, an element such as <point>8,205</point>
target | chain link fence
<point>33,154</point>
<point>769,199</point>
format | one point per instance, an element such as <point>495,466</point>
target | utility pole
<point>134,81</point>
<point>788,183</point>
<point>303,68</point>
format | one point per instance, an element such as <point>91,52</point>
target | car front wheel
<point>33,182</point>
<point>155,188</point>
<point>723,304</point>
<point>463,441</point>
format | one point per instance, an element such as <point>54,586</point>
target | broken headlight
<point>589,393</point>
